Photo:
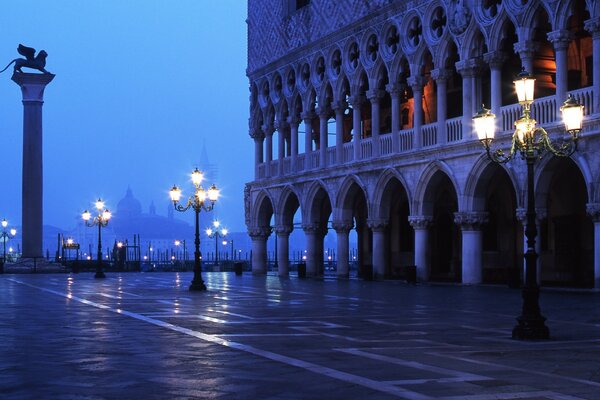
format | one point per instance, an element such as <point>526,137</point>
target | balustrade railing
<point>454,129</point>
<point>429,134</point>
<point>287,165</point>
<point>331,156</point>
<point>348,151</point>
<point>366,148</point>
<point>301,162</point>
<point>274,167</point>
<point>314,159</point>
<point>261,171</point>
<point>405,138</point>
<point>385,144</point>
<point>543,110</point>
<point>585,97</point>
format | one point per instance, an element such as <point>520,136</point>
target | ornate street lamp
<point>531,142</point>
<point>5,235</point>
<point>201,200</point>
<point>218,233</point>
<point>100,220</point>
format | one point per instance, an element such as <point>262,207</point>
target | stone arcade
<point>397,84</point>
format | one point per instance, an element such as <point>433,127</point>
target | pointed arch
<point>263,209</point>
<point>347,190</point>
<point>421,205</point>
<point>377,204</point>
<point>477,179</point>
<point>289,202</point>
<point>317,191</point>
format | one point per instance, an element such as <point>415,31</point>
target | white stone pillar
<point>395,91</point>
<point>323,132</point>
<point>339,107</point>
<point>374,96</point>
<point>312,233</point>
<point>495,60</point>
<point>259,238</point>
<point>593,26</point>
<point>281,133</point>
<point>468,69</point>
<point>561,39</point>
<point>526,50</point>
<point>342,230</point>
<point>472,245</point>
<point>283,250</point>
<point>357,102</point>
<point>441,78</point>
<point>268,131</point>
<point>422,260</point>
<point>294,122</point>
<point>593,210</point>
<point>308,119</point>
<point>259,139</point>
<point>378,227</point>
<point>32,90</point>
<point>417,83</point>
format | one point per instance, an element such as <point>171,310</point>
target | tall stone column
<point>268,131</point>
<point>357,102</point>
<point>294,122</point>
<point>342,229</point>
<point>312,232</point>
<point>441,77</point>
<point>561,39</point>
<point>417,83</point>
<point>378,227</point>
<point>394,90</point>
<point>495,60</point>
<point>259,238</point>
<point>593,26</point>
<point>283,249</point>
<point>259,139</point>
<point>593,210</point>
<point>323,132</point>
<point>374,96</point>
<point>469,69</point>
<point>32,89</point>
<point>308,119</point>
<point>472,244</point>
<point>282,128</point>
<point>422,260</point>
<point>339,107</point>
<point>526,50</point>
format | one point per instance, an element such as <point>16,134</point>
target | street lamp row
<point>100,220</point>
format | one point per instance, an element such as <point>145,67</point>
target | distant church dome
<point>129,206</point>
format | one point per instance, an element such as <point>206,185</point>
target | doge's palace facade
<point>361,116</point>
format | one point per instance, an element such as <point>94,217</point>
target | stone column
<point>294,122</point>
<point>593,210</point>
<point>395,90</point>
<point>342,229</point>
<point>469,69</point>
<point>378,227</point>
<point>324,113</point>
<point>308,119</point>
<point>268,131</point>
<point>339,107</point>
<point>561,39</point>
<point>495,60</point>
<point>593,26</point>
<point>441,77</point>
<point>374,96</point>
<point>259,139</point>
<point>283,249</point>
<point>526,50</point>
<point>417,83</point>
<point>32,90</point>
<point>421,226</point>
<point>357,102</point>
<point>259,238</point>
<point>472,245</point>
<point>312,232</point>
<point>281,133</point>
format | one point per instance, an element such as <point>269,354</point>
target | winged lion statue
<point>30,61</point>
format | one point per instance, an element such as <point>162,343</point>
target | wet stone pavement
<point>145,336</point>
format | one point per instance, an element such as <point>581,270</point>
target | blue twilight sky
<point>140,86</point>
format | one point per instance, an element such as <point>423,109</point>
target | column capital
<point>323,111</point>
<point>593,210</point>
<point>526,48</point>
<point>420,221</point>
<point>375,94</point>
<point>311,228</point>
<point>283,230</point>
<point>469,68</point>
<point>281,125</point>
<point>308,115</point>
<point>495,59</point>
<point>540,214</point>
<point>377,225</point>
<point>470,221</point>
<point>417,82</point>
<point>256,133</point>
<point>394,89</point>
<point>441,74</point>
<point>342,226</point>
<point>259,232</point>
<point>339,106</point>
<point>294,121</point>
<point>593,27</point>
<point>357,100</point>
<point>560,38</point>
<point>32,85</point>
<point>268,129</point>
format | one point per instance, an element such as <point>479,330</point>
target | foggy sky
<point>139,86</point>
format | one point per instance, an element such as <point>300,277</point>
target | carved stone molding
<point>377,225</point>
<point>259,232</point>
<point>560,38</point>
<point>283,230</point>
<point>593,27</point>
<point>470,221</point>
<point>311,228</point>
<point>495,59</point>
<point>420,221</point>
<point>342,227</point>
<point>593,210</point>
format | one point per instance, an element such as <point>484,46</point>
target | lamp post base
<point>197,286</point>
<point>531,329</point>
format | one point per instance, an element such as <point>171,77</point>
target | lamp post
<point>200,200</point>
<point>531,142</point>
<point>218,233</point>
<point>100,220</point>
<point>5,235</point>
<point>232,251</point>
